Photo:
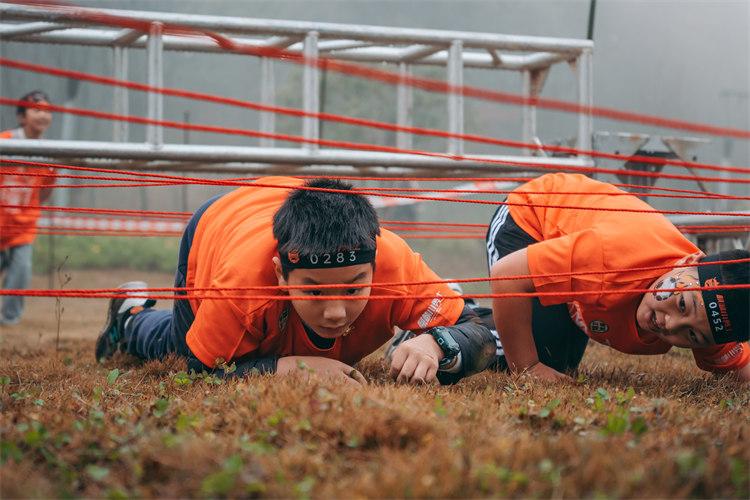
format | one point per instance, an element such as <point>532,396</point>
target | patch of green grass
<point>106,252</point>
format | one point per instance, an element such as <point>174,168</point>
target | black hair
<point>33,96</point>
<point>312,222</point>
<point>737,273</point>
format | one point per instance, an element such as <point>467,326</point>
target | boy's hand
<point>323,366</point>
<point>743,375</point>
<point>543,372</point>
<point>416,360</point>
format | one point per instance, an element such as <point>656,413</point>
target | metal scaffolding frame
<point>402,47</point>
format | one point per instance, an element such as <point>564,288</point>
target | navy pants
<point>152,333</point>
<point>15,265</point>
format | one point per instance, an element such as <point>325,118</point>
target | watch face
<point>446,342</point>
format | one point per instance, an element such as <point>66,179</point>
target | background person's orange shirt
<point>233,247</point>
<point>18,225</point>
<point>571,240</point>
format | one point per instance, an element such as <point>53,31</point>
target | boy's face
<point>676,316</point>
<point>35,120</point>
<point>328,318</point>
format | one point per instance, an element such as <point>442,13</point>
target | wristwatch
<point>444,339</point>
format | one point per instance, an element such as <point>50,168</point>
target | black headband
<point>727,310</point>
<point>325,260</point>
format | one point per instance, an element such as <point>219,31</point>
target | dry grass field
<point>629,427</point>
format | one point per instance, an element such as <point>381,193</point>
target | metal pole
<point>185,140</point>
<point>592,14</point>
<point>404,107</point>
<point>120,104</point>
<point>456,98</point>
<point>381,35</point>
<point>404,118</point>
<point>205,155</point>
<point>155,134</point>
<point>267,97</point>
<point>373,54</point>
<point>62,196</point>
<point>322,99</point>
<point>723,187</point>
<point>733,101</point>
<point>585,101</point>
<point>528,132</point>
<point>311,90</point>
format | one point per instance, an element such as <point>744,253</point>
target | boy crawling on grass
<point>260,236</point>
<point>546,336</point>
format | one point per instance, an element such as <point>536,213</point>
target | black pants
<point>560,344</point>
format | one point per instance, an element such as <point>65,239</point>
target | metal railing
<point>401,47</point>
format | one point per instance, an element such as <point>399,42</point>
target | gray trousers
<point>15,265</point>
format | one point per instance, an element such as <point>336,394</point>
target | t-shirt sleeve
<point>576,252</point>
<point>217,331</point>
<point>723,358</point>
<point>423,314</point>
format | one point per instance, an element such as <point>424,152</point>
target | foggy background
<point>687,60</point>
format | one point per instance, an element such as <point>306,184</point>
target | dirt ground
<point>629,426</point>
<point>80,318</point>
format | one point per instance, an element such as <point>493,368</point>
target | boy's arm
<point>46,188</point>
<point>208,347</point>
<point>513,317</point>
<point>478,348</point>
<point>242,366</point>
<point>44,194</point>
<point>731,359</point>
<point>323,366</point>
<point>417,359</point>
<point>247,365</point>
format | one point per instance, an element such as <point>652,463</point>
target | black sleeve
<point>242,366</point>
<point>477,343</point>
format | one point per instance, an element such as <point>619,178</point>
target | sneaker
<point>400,337</point>
<point>110,339</point>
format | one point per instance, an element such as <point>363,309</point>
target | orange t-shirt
<point>571,240</point>
<point>234,245</point>
<point>18,224</point>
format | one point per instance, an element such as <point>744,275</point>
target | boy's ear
<point>277,269</point>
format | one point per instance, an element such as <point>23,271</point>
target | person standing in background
<point>20,196</point>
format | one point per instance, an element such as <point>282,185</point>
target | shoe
<point>400,337</point>
<point>110,339</point>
